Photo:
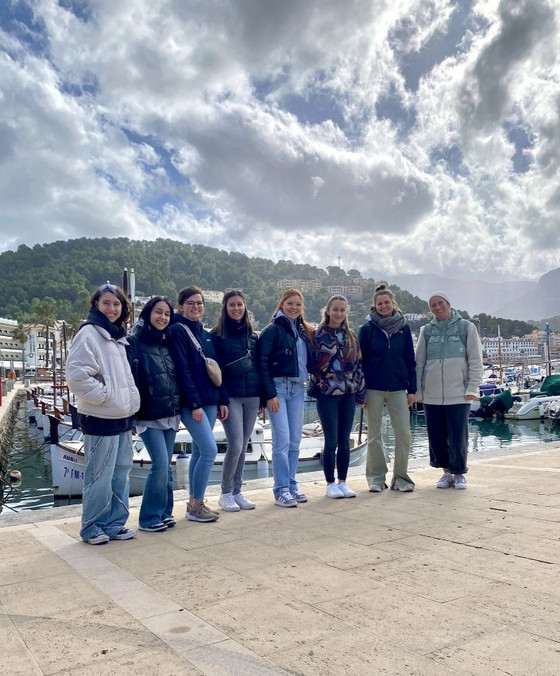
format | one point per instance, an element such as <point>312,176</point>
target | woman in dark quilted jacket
<point>157,421</point>
<point>235,343</point>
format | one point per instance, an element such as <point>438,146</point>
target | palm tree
<point>44,312</point>
<point>20,334</point>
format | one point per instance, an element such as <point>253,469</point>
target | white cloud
<point>403,136</point>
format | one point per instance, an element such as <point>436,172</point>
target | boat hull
<point>68,463</point>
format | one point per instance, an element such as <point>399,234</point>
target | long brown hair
<point>287,293</point>
<point>220,328</point>
<point>350,351</point>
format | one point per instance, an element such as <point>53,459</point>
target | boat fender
<point>182,470</point>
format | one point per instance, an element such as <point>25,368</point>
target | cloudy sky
<point>402,136</point>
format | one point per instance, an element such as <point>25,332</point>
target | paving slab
<point>432,582</point>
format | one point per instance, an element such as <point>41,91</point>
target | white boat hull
<point>68,460</point>
<point>534,409</point>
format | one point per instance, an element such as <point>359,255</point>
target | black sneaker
<point>125,534</point>
<point>169,522</point>
<point>156,528</point>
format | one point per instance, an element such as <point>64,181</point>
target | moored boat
<point>68,460</point>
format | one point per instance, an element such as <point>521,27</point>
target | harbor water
<point>30,452</point>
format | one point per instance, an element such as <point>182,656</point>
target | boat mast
<point>500,366</point>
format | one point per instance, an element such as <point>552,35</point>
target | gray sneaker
<point>190,509</point>
<point>445,481</point>
<point>285,499</point>
<point>298,496</point>
<point>201,514</point>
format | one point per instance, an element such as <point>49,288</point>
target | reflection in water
<point>35,491</point>
<point>28,456</point>
<point>484,435</point>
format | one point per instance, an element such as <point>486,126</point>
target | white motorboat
<point>535,409</point>
<point>68,461</point>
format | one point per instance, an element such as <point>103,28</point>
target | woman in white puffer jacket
<point>98,373</point>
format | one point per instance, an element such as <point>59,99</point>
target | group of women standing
<point>159,377</point>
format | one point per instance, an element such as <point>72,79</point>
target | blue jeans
<point>106,488</point>
<point>337,417</point>
<point>204,449</point>
<point>157,499</point>
<point>287,427</point>
<point>238,428</point>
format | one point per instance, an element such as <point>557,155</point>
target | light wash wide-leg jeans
<point>106,487</point>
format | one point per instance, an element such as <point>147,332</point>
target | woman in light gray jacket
<point>448,372</point>
<point>98,373</point>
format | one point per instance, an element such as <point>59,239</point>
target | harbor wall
<point>11,402</point>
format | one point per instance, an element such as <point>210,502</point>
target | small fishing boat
<point>68,461</point>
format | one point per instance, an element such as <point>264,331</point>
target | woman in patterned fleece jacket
<point>341,384</point>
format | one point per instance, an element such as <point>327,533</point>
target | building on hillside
<point>360,281</point>
<point>214,296</point>
<point>340,290</point>
<point>304,285</point>
<point>414,316</point>
<point>510,349</point>
<point>539,339</point>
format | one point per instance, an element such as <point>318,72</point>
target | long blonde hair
<point>351,348</point>
<point>287,293</point>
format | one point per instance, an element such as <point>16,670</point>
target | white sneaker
<point>333,491</point>
<point>242,501</point>
<point>375,488</point>
<point>227,503</point>
<point>346,490</point>
<point>460,482</point>
<point>445,481</point>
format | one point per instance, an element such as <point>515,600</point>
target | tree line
<point>54,281</point>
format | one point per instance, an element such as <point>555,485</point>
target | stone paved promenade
<point>435,582</point>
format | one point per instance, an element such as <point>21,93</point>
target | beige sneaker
<point>202,514</point>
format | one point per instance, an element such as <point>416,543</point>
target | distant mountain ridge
<point>511,300</point>
<point>542,302</point>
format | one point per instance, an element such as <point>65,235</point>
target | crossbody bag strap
<point>194,340</point>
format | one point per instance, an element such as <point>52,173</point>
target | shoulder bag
<point>238,367</point>
<point>212,367</point>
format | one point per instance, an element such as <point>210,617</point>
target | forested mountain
<point>59,278</point>
<point>68,272</point>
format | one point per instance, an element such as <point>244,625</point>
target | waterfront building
<point>35,347</point>
<point>510,349</point>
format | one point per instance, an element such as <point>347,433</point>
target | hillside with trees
<point>57,279</point>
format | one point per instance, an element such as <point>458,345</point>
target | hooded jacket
<point>277,353</point>
<point>98,373</point>
<point>448,361</point>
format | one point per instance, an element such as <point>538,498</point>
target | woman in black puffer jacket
<point>235,343</point>
<point>157,421</point>
<point>284,358</point>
